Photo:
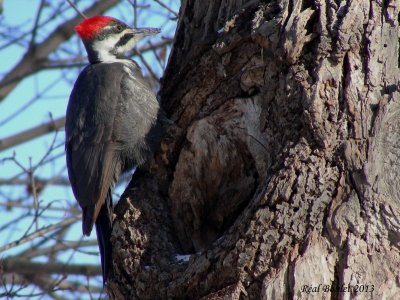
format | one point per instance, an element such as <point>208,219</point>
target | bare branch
<point>63,181</point>
<point>38,53</point>
<point>148,67</point>
<point>76,9</point>
<point>10,204</point>
<point>36,24</point>
<point>40,232</point>
<point>58,247</point>
<point>32,133</point>
<point>23,266</point>
<point>49,285</point>
<point>167,8</point>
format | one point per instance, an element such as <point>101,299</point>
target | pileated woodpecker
<point>112,123</point>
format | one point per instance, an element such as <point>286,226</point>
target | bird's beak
<point>142,32</point>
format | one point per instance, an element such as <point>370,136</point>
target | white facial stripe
<point>128,46</point>
<point>106,48</point>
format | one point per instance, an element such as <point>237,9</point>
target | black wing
<point>90,149</point>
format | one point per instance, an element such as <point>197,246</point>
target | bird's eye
<point>119,28</point>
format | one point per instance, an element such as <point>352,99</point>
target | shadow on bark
<point>275,176</point>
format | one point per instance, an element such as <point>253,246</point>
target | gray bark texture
<point>279,173</point>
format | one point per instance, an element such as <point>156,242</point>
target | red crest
<point>88,28</point>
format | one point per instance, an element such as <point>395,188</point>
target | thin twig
<point>57,248</point>
<point>33,100</point>
<point>14,40</point>
<point>166,7</point>
<point>34,194</point>
<point>158,58</point>
<point>57,180</point>
<point>148,67</point>
<point>35,26</point>
<point>77,9</point>
<point>12,204</point>
<point>32,133</point>
<point>33,61</point>
<point>40,232</point>
<point>23,266</point>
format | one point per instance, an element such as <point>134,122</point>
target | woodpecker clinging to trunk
<point>112,122</point>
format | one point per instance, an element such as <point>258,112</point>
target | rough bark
<point>280,171</point>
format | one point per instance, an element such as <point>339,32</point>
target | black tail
<point>103,230</point>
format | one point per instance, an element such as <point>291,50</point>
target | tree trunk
<point>279,174</point>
